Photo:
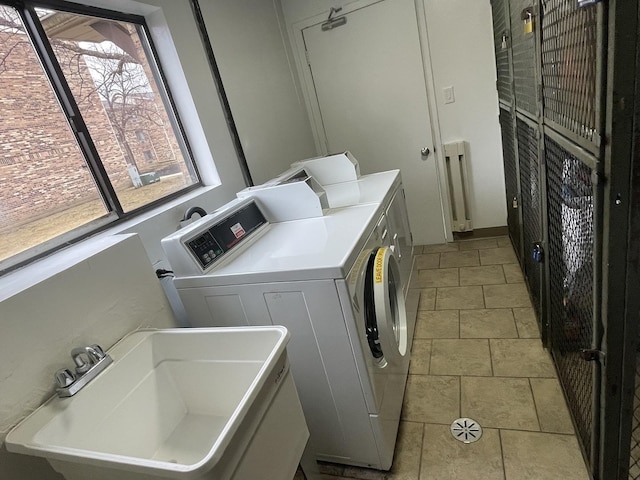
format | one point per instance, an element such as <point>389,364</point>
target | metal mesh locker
<point>633,329</point>
<point>570,256</point>
<point>524,59</point>
<point>510,176</point>
<point>569,67</point>
<point>530,192</point>
<point>501,40</point>
<point>634,452</point>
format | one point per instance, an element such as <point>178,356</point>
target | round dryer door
<point>385,314</point>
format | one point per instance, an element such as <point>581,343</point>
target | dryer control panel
<point>197,248</point>
<point>225,234</point>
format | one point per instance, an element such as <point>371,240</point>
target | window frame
<point>51,68</point>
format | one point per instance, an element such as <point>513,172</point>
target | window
<point>80,88</point>
<point>140,136</point>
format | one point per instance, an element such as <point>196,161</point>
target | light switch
<point>449,96</point>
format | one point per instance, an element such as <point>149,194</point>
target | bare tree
<point>102,75</point>
<point>14,35</point>
<point>11,34</point>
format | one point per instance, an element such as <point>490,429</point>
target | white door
<point>370,86</point>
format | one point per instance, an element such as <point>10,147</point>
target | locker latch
<point>514,202</point>
<point>591,355</point>
<point>537,253</point>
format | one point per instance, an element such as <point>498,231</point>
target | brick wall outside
<point>41,168</point>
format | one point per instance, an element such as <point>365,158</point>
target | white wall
<point>105,291</point>
<point>92,302</point>
<point>99,299</point>
<point>461,47</point>
<point>261,83</point>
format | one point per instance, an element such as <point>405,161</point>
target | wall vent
<point>456,155</point>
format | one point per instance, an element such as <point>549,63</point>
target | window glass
<point>111,79</point>
<point>46,188</point>
<point>54,185</point>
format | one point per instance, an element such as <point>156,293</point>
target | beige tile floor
<point>477,353</point>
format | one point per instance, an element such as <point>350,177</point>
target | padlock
<point>537,254</point>
<point>527,18</point>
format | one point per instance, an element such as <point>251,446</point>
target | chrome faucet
<point>86,357</point>
<point>90,361</point>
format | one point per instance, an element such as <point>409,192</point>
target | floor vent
<point>456,156</point>
<point>466,430</point>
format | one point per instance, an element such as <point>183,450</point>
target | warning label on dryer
<point>379,266</point>
<point>237,230</point>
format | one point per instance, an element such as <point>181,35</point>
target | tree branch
<point>11,24</point>
<point>73,47</point>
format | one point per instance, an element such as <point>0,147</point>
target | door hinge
<point>592,355</point>
<point>306,54</point>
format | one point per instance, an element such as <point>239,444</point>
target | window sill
<point>40,270</point>
<point>176,204</point>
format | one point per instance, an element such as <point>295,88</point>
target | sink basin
<point>179,403</point>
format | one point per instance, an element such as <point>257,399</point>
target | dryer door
<point>385,314</point>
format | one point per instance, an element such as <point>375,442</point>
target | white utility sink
<point>205,403</point>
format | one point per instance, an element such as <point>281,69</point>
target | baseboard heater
<point>456,155</point>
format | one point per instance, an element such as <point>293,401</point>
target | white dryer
<point>335,284</point>
<point>335,181</point>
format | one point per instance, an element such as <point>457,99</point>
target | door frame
<point>313,107</point>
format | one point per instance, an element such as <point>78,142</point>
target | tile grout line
<point>504,466</point>
<point>541,433</point>
<point>493,374</point>
<point>535,405</point>
<point>484,298</point>
<point>459,396</point>
<point>515,321</point>
<point>490,357</point>
<point>424,434</point>
<point>430,354</point>
<point>506,377</point>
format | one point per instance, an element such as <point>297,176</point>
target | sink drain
<point>466,430</point>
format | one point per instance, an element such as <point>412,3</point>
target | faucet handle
<point>98,352</point>
<point>64,377</point>
<point>86,357</point>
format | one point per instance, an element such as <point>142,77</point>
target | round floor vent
<point>466,430</point>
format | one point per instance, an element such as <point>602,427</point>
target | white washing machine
<point>334,282</point>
